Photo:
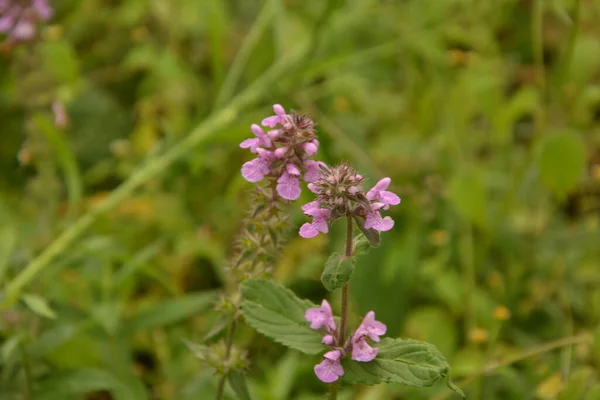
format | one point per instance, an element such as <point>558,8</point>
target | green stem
<point>154,167</point>
<point>333,389</point>
<point>346,288</point>
<point>221,384</point>
<point>26,372</point>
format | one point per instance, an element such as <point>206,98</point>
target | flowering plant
<point>284,155</point>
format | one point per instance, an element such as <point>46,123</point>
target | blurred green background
<point>485,114</point>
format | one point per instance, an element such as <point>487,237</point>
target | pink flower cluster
<point>18,18</point>
<point>338,195</point>
<point>283,153</point>
<point>330,369</point>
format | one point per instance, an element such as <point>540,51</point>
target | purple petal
<point>23,30</point>
<point>329,371</point>
<point>333,355</point>
<point>280,152</point>
<point>292,169</point>
<point>320,316</point>
<point>328,340</point>
<point>255,170</point>
<point>279,110</point>
<point>42,9</point>
<point>6,23</point>
<point>389,197</point>
<point>271,121</point>
<point>375,221</point>
<point>288,186</point>
<point>312,205</point>
<point>308,230</point>
<point>312,171</point>
<point>251,144</point>
<point>313,188</point>
<point>310,148</point>
<point>361,351</point>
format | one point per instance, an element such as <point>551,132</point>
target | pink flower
<point>328,340</point>
<point>288,186</point>
<point>338,191</point>
<point>361,351</point>
<point>319,222</point>
<point>19,18</point>
<point>312,170</point>
<point>330,369</point>
<point>261,139</point>
<point>321,316</point>
<point>280,117</point>
<point>255,170</point>
<point>379,193</point>
<point>375,221</point>
<point>370,328</point>
<point>290,148</point>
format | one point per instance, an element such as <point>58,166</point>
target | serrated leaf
<point>561,162</point>
<point>338,270</point>
<point>408,362</point>
<point>237,381</point>
<point>372,235</point>
<point>276,312</point>
<point>39,305</point>
<point>168,312</point>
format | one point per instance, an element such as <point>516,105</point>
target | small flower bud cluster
<point>339,194</point>
<point>18,18</point>
<point>284,153</point>
<point>218,357</point>
<point>262,237</point>
<point>330,369</point>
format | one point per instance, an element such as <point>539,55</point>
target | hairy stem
<point>229,343</point>
<point>346,288</point>
<point>333,389</point>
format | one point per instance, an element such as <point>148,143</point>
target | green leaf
<point>83,381</point>
<point>237,381</point>
<point>593,393</point>
<point>338,271</point>
<point>276,312</point>
<point>577,384</point>
<point>372,235</point>
<point>168,312</point>
<point>360,245</point>
<point>468,194</point>
<point>408,362</point>
<point>561,162</point>
<point>39,305</point>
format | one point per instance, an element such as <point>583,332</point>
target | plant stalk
<point>333,389</point>
<point>229,343</point>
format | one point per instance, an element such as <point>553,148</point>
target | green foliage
<point>561,162</point>
<point>408,362</point>
<point>276,312</point>
<point>338,270</point>
<point>485,115</point>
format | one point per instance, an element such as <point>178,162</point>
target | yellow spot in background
<point>479,335</point>
<point>439,237</point>
<point>549,388</point>
<point>341,103</point>
<point>53,32</point>
<point>501,313</point>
